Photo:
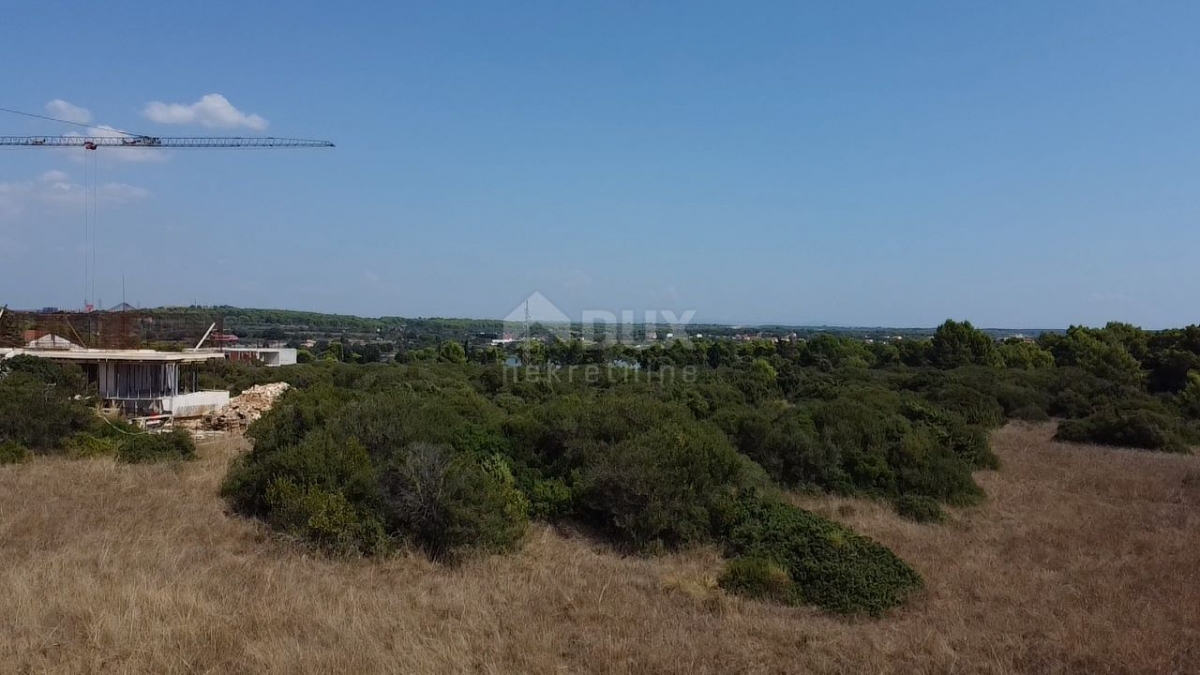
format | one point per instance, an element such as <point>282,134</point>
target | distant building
<point>269,356</point>
<point>220,339</point>
<point>50,341</point>
<point>37,339</point>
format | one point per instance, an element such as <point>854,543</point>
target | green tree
<point>1016,353</point>
<point>1099,352</point>
<point>452,352</point>
<point>961,344</point>
<point>764,371</point>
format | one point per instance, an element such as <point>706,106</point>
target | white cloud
<point>212,110</point>
<point>54,192</point>
<point>72,113</point>
<point>66,111</point>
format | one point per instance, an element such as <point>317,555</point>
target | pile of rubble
<point>245,408</point>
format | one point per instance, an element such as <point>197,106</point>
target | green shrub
<point>1187,402</point>
<point>793,450</point>
<point>1075,393</point>
<point>171,446</point>
<point>662,487</point>
<point>68,380</point>
<point>85,445</point>
<point>549,499</point>
<point>12,452</point>
<point>448,502</point>
<point>318,461</point>
<point>760,579</point>
<point>1144,429</point>
<point>920,509</point>
<point>976,406</point>
<point>1030,413</point>
<point>952,432</point>
<point>864,438</point>
<point>39,415</point>
<point>1025,395</point>
<point>324,517</point>
<point>116,429</point>
<point>830,565</point>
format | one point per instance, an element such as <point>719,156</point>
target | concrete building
<point>269,356</point>
<point>141,382</point>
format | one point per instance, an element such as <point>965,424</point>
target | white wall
<point>196,403</point>
<point>270,356</point>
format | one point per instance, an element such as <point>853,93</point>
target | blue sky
<point>856,163</point>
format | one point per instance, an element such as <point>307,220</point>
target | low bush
<point>952,431</point>
<point>1144,429</point>
<point>1030,413</point>
<point>549,499</point>
<point>324,517</point>
<point>318,461</point>
<point>447,502</point>
<point>38,414</point>
<point>84,445</point>
<point>662,488</point>
<point>115,428</point>
<point>758,578</point>
<point>12,452</point>
<point>830,565</point>
<point>867,440</point>
<point>920,509</point>
<point>165,447</point>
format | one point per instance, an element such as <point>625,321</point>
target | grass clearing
<point>1081,560</point>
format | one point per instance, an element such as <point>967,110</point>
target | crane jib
<point>94,142</point>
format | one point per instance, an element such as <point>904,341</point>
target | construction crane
<point>116,138</point>
<point>134,141</point>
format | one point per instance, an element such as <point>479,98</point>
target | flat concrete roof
<point>131,355</point>
<point>258,349</point>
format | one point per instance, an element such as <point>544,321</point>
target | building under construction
<point>115,350</point>
<point>113,330</point>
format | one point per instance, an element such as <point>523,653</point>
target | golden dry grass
<point>1082,561</point>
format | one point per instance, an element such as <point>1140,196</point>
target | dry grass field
<point>1082,560</point>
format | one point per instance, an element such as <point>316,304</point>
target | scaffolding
<point>134,329</point>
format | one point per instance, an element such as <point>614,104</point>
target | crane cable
<point>95,195</point>
<point>87,234</point>
<point>91,193</point>
<point>55,119</point>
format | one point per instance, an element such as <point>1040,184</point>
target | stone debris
<point>245,408</point>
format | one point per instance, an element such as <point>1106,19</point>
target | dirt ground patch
<point>1083,560</point>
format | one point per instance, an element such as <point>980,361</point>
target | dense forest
<point>453,449</point>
